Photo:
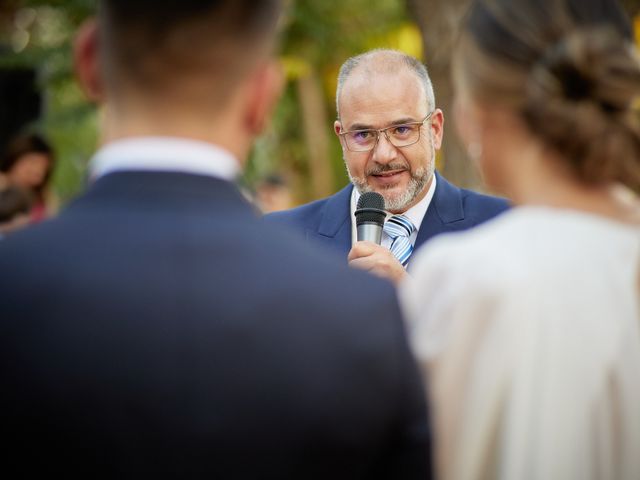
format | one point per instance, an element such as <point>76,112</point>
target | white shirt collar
<point>164,154</point>
<point>415,214</point>
<point>418,211</point>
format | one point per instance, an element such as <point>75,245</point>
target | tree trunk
<point>8,9</point>
<point>314,118</point>
<point>631,6</point>
<point>439,23</point>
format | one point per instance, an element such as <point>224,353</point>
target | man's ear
<point>86,61</point>
<point>437,127</point>
<point>265,89</point>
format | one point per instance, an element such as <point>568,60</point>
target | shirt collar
<point>164,154</point>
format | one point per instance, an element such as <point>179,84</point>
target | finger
<point>363,263</point>
<point>381,265</point>
<point>380,258</point>
<point>363,249</point>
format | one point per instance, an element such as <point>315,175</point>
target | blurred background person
<point>273,193</point>
<point>528,327</point>
<point>28,163</point>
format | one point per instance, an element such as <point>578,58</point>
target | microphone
<point>370,217</point>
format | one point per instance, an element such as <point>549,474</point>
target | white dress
<point>527,331</point>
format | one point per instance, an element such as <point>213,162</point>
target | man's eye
<point>362,135</point>
<point>402,130</point>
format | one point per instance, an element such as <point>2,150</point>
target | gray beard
<point>398,203</point>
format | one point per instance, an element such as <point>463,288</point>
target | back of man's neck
<point>218,131</point>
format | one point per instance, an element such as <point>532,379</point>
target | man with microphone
<point>389,129</point>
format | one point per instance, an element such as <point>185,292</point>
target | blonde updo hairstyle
<point>570,68</point>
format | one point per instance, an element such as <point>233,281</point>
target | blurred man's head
<point>385,89</point>
<point>168,61</point>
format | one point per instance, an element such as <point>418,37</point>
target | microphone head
<point>371,200</point>
<point>370,209</point>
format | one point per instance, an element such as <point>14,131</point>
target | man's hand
<point>377,260</point>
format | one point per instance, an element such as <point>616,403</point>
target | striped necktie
<point>399,228</point>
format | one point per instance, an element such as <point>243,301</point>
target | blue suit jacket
<point>158,328</point>
<point>328,221</point>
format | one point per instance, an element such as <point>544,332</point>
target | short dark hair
<point>23,144</point>
<point>395,59</point>
<point>151,43</point>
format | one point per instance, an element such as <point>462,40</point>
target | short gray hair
<point>393,57</point>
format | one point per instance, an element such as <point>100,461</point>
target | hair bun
<point>580,99</point>
<point>586,66</point>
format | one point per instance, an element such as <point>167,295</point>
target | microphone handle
<point>369,232</point>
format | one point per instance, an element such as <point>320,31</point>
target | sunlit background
<point>38,91</point>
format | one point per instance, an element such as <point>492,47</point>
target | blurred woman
<point>27,164</point>
<point>528,327</point>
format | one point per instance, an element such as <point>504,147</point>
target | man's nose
<point>384,151</point>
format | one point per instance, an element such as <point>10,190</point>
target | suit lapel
<point>445,209</point>
<point>334,227</point>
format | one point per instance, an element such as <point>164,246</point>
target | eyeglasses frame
<point>386,135</point>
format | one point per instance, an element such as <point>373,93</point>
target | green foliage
<point>325,32</point>
<point>318,34</point>
<point>68,120</point>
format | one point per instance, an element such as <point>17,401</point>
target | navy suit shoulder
<point>159,327</point>
<point>479,207</point>
<point>455,209</point>
<point>312,215</point>
<point>301,217</point>
<point>325,223</point>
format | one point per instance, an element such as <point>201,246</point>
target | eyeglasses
<point>401,135</point>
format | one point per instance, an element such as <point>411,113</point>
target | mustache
<point>388,167</point>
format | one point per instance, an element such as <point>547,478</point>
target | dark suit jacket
<point>328,221</point>
<point>157,328</point>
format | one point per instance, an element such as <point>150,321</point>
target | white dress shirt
<point>415,214</point>
<point>164,154</point>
